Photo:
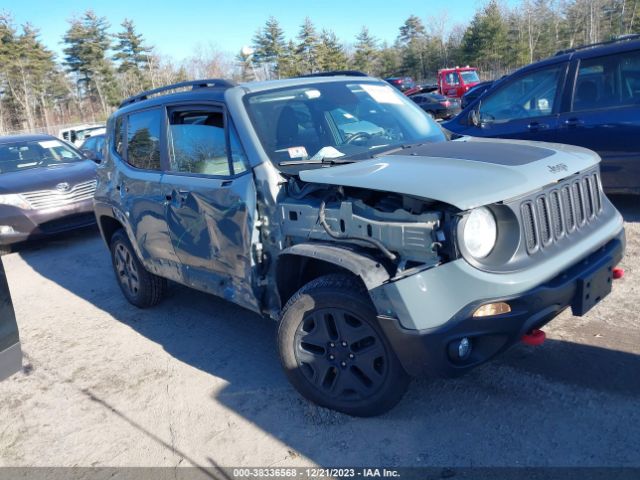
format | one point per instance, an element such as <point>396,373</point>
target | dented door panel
<point>210,223</point>
<point>142,201</point>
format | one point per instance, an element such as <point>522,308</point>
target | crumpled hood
<point>465,173</point>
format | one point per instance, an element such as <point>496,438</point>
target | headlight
<point>15,200</point>
<point>480,232</point>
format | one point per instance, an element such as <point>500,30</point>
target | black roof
<point>27,137</point>
<point>195,85</point>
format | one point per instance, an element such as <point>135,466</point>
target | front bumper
<point>427,351</point>
<point>31,224</point>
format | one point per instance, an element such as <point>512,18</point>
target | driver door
<point>525,108</point>
<point>210,205</point>
<point>10,353</point>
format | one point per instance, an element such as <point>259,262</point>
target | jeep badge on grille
<point>559,167</point>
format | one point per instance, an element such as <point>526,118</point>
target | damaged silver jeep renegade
<point>337,207</point>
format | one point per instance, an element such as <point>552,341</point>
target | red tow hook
<point>534,338</point>
<point>618,273</point>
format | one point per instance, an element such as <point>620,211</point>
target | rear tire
<point>141,287</point>
<point>333,351</point>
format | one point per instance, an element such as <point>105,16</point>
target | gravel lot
<point>196,381</point>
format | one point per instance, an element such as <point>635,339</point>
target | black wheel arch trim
<point>370,271</point>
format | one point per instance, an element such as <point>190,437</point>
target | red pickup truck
<point>454,82</point>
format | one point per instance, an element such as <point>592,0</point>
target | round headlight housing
<point>480,232</point>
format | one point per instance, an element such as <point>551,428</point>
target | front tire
<point>333,351</point>
<point>141,287</point>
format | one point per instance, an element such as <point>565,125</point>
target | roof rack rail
<point>335,73</point>
<point>621,38</point>
<point>194,84</point>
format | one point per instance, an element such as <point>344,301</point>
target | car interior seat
<point>586,95</point>
<point>287,131</point>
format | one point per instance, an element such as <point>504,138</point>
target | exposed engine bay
<point>404,230</point>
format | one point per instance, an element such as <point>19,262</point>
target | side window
<point>197,143</point>
<point>608,82</point>
<point>118,136</point>
<point>143,139</point>
<point>238,157</point>
<point>531,95</point>
<point>452,78</point>
<point>89,144</point>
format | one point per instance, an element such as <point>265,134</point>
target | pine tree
<point>132,57</point>
<point>131,52</point>
<point>412,41</point>
<point>485,42</point>
<point>330,53</point>
<point>411,30</point>
<point>88,42</point>
<point>366,52</point>
<point>289,65</point>
<point>388,61</point>
<point>27,73</point>
<point>269,46</point>
<point>307,49</point>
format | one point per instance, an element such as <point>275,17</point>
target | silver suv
<point>335,206</point>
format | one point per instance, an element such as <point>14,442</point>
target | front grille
<point>560,210</point>
<point>45,199</point>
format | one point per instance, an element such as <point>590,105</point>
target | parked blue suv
<point>587,96</point>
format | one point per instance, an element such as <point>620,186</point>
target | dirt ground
<point>196,381</point>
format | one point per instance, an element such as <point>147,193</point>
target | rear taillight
<point>446,103</point>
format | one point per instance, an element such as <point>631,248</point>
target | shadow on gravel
<point>547,392</point>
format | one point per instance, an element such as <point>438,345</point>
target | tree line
<point>497,40</point>
<point>39,91</point>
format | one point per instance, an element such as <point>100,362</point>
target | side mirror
<point>90,155</point>
<point>474,116</point>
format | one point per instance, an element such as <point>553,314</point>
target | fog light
<point>6,229</point>
<point>464,348</point>
<point>460,350</point>
<point>491,309</point>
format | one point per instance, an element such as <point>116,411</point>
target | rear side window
<point>143,139</point>
<point>118,136</point>
<point>608,82</point>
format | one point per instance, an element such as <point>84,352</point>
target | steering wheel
<point>358,136</point>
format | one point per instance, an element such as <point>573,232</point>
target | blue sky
<point>175,28</point>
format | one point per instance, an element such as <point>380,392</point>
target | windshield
<point>18,156</point>
<point>337,120</point>
<point>470,76</point>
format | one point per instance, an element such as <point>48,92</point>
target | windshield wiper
<point>311,161</point>
<point>395,149</point>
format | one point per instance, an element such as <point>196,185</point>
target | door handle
<point>177,196</point>
<point>182,195</point>
<point>536,126</point>
<point>573,122</point>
